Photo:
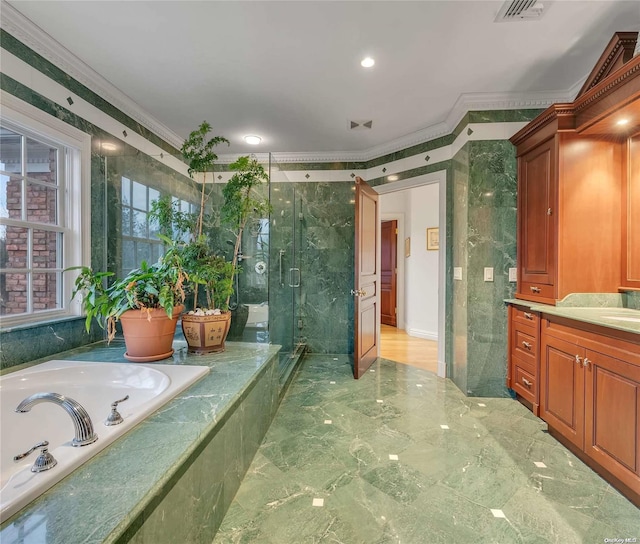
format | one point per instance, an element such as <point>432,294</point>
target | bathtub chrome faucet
<point>81,420</point>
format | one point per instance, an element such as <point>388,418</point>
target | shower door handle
<point>292,282</point>
<point>282,252</point>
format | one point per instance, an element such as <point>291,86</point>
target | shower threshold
<point>287,364</point>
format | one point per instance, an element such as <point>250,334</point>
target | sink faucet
<point>81,420</point>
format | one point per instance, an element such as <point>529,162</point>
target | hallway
<point>396,345</point>
<point>402,456</point>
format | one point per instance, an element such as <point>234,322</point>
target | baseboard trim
<point>419,333</point>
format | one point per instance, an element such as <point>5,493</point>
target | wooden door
<point>562,389</point>
<point>388,273</point>
<point>536,233</point>
<point>367,271</point>
<point>612,416</point>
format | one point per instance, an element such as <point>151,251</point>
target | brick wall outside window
<point>41,207</point>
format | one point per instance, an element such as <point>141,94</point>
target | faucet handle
<point>44,461</point>
<point>114,418</point>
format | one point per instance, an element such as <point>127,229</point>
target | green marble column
<point>484,235</point>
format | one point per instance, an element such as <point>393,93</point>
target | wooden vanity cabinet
<point>590,396</point>
<point>523,359</point>
<point>631,215</point>
<point>563,387</point>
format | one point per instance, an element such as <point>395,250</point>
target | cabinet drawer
<point>524,343</point>
<point>525,316</point>
<point>537,290</point>
<point>525,383</point>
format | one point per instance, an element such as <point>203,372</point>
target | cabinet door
<point>631,215</point>
<point>536,234</point>
<point>562,389</point>
<point>612,416</point>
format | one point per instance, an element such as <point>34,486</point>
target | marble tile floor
<point>402,456</point>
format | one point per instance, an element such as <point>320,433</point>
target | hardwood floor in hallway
<point>396,345</point>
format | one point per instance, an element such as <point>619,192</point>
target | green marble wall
<point>484,234</point>
<point>632,300</point>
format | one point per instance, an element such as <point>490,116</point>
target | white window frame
<point>23,117</point>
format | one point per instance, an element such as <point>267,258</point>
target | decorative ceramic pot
<point>206,333</point>
<point>148,334</point>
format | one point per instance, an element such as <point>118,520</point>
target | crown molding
<point>35,38</point>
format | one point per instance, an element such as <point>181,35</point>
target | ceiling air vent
<point>521,10</point>
<point>360,125</point>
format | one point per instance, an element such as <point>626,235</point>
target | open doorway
<point>413,211</point>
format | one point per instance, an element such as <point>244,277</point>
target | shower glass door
<point>286,323</point>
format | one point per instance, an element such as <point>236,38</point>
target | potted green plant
<point>147,302</point>
<point>205,328</point>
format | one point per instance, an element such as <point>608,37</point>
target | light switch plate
<point>513,274</point>
<point>488,273</point>
<point>457,272</point>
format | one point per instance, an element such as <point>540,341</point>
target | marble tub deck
<point>492,475</point>
<point>171,478</point>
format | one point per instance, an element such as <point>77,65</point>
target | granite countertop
<point>612,317</point>
<point>98,501</point>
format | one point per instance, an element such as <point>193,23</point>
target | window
<point>39,235</point>
<point>140,240</point>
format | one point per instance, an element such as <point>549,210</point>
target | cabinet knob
<point>526,382</point>
<point>529,316</point>
<point>534,289</point>
<point>578,360</point>
<point>527,345</point>
<point>586,362</point>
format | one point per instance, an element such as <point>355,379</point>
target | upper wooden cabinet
<point>569,210</point>
<point>579,187</point>
<point>537,198</point>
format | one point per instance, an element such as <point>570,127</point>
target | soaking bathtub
<point>95,386</point>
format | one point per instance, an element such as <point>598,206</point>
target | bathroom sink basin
<point>621,318</point>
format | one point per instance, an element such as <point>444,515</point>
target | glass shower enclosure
<point>267,301</point>
<point>287,324</point>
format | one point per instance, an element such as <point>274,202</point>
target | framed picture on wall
<point>433,239</point>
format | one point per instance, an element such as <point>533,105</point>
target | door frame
<point>439,177</point>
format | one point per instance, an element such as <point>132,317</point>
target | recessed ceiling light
<point>392,177</point>
<point>108,146</point>
<point>622,122</point>
<point>252,139</point>
<point>367,62</point>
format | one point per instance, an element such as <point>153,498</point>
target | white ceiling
<point>289,71</point>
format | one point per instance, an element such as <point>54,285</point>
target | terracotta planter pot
<point>206,333</point>
<point>148,335</point>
